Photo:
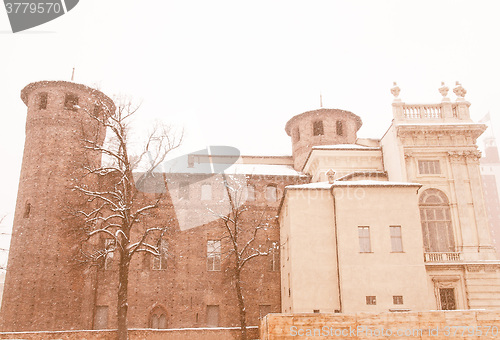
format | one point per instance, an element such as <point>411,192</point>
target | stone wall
<point>137,334</point>
<point>435,325</point>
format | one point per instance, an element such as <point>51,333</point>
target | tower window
<point>318,128</point>
<point>27,210</point>
<point>42,104</point>
<point>70,101</point>
<point>340,128</point>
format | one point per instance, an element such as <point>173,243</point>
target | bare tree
<point>246,237</point>
<point>115,208</point>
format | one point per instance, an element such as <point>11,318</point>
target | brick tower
<point>46,287</point>
<point>320,127</point>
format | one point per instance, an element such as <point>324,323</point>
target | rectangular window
<point>364,239</point>
<point>340,128</point>
<point>429,167</point>
<point>274,256</point>
<point>213,255</point>
<point>213,315</point>
<point>447,297</point>
<point>250,193</point>
<point>396,239</point>
<point>160,262</point>
<point>397,299</point>
<point>184,190</point>
<point>109,246</point>
<point>206,192</point>
<point>71,102</point>
<point>318,128</point>
<point>371,300</point>
<point>101,317</point>
<point>43,101</point>
<point>271,193</point>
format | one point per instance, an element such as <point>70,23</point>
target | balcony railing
<point>419,111</point>
<point>443,257</point>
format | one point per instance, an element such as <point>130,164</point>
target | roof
<point>236,168</point>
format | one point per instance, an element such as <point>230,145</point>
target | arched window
<point>271,193</point>
<point>436,221</point>
<point>158,318</point>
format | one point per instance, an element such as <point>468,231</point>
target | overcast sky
<point>233,72</point>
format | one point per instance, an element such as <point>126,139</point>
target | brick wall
<point>136,334</point>
<point>402,325</point>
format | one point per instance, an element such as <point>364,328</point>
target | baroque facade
<point>396,223</point>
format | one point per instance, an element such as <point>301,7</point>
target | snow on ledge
<point>345,147</point>
<point>366,183</point>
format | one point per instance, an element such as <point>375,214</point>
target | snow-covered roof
<point>368,183</point>
<point>262,169</point>
<point>345,147</point>
<point>236,168</point>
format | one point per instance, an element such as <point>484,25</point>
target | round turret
<point>320,127</point>
<point>45,286</point>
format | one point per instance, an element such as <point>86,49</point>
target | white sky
<point>233,72</point>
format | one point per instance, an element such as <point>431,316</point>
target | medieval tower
<point>45,284</point>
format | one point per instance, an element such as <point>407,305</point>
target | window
<point>396,239</point>
<point>271,193</point>
<point>447,298</point>
<point>250,193</point>
<point>212,315</point>
<point>364,240</point>
<point>184,190</point>
<point>70,102</point>
<point>206,192</point>
<point>274,256</point>
<point>42,104</point>
<point>158,319</point>
<point>213,255</point>
<point>109,246</point>
<point>27,210</point>
<point>371,300</point>
<point>101,317</point>
<point>429,167</point>
<point>397,299</point>
<point>264,310</point>
<point>436,221</point>
<point>316,311</point>
<point>340,128</point>
<point>318,128</point>
<point>160,262</point>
